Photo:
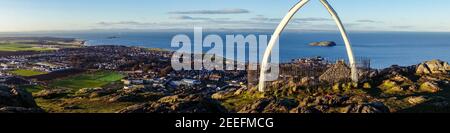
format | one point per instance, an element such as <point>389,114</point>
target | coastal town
<point>110,78</point>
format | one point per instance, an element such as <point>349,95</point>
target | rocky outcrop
<point>429,87</point>
<point>94,92</point>
<point>374,107</point>
<point>256,107</point>
<point>394,71</point>
<point>194,103</point>
<point>398,84</point>
<point>433,67</point>
<point>268,105</point>
<point>316,104</point>
<point>219,95</point>
<point>51,93</point>
<point>323,44</point>
<point>136,97</point>
<point>415,100</point>
<point>14,100</point>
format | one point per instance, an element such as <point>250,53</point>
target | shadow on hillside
<point>426,107</point>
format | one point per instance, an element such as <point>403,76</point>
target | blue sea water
<point>382,48</point>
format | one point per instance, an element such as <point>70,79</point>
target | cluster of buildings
<point>151,69</point>
<point>143,68</point>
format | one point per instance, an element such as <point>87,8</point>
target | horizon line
<point>212,29</point>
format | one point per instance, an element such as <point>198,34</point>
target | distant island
<point>323,44</point>
<point>113,37</point>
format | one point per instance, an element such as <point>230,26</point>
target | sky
<point>357,15</point>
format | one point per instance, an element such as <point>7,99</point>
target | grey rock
<point>16,97</point>
<point>374,107</point>
<point>433,67</point>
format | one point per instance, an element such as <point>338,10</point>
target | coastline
<point>124,79</point>
<point>377,61</point>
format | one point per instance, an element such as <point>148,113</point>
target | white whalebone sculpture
<point>283,24</point>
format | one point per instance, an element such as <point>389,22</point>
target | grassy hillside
<point>27,73</point>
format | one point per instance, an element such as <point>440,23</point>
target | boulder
<point>14,100</point>
<point>389,86</point>
<point>398,84</point>
<point>16,97</point>
<point>256,107</point>
<point>415,100</point>
<point>429,87</point>
<point>221,95</point>
<point>395,70</point>
<point>433,67</point>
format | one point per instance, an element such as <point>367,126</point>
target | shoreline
<point>83,42</point>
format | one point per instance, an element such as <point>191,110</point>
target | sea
<point>383,49</point>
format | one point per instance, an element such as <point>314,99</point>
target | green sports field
<point>87,80</point>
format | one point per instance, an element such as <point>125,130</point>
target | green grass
<point>87,80</point>
<point>236,102</point>
<point>32,88</point>
<point>85,105</point>
<point>27,73</point>
<point>13,47</point>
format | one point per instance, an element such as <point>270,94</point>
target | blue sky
<point>358,15</point>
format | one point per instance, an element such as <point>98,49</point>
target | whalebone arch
<point>284,22</point>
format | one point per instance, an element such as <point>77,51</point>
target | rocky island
<point>323,44</point>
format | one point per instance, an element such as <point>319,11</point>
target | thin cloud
<point>222,11</point>
<point>189,18</point>
<point>309,19</point>
<point>368,21</point>
<point>402,27</point>
<point>260,18</point>
<point>126,23</point>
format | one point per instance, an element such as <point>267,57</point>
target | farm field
<point>14,47</point>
